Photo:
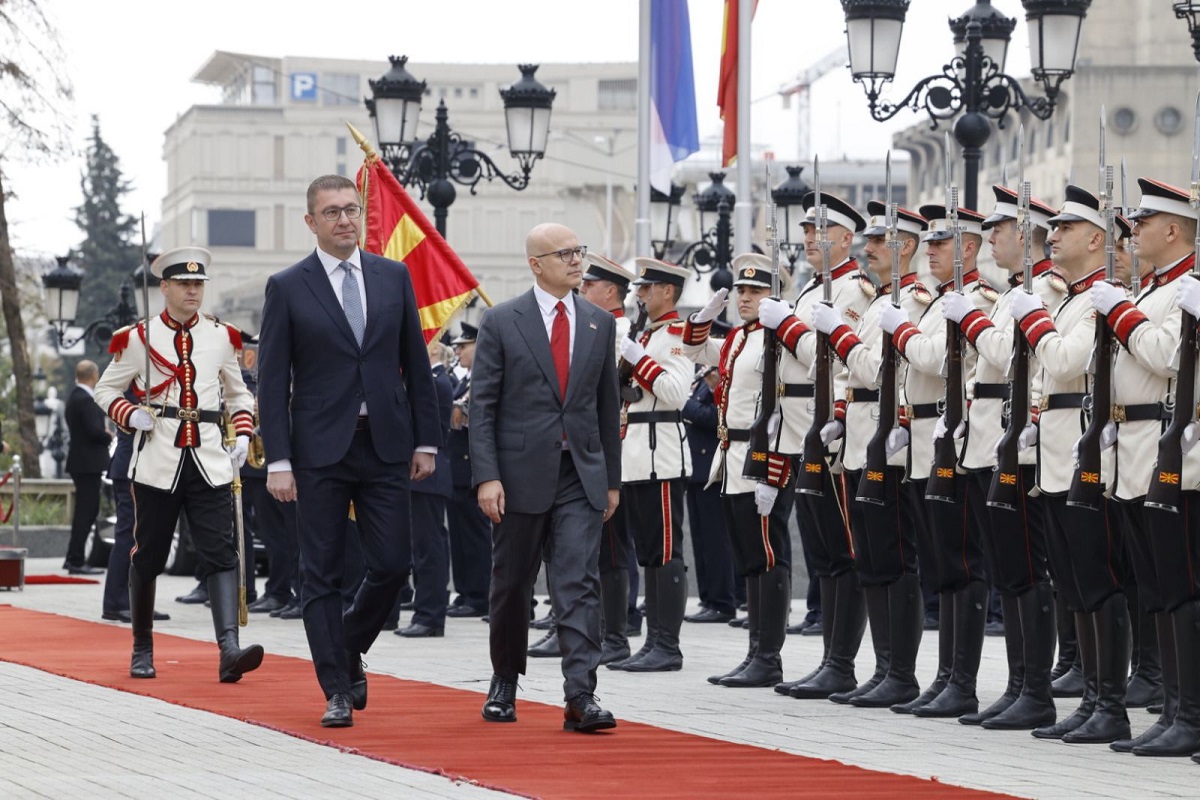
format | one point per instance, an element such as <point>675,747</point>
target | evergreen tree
<point>111,247</point>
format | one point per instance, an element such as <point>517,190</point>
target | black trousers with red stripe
<point>758,542</point>
<point>1139,554</point>
<point>1175,544</point>
<point>614,540</point>
<point>209,512</point>
<point>958,540</point>
<point>825,527</point>
<point>654,514</point>
<point>1015,540</point>
<point>1087,555</point>
<point>885,537</point>
<point>927,550</point>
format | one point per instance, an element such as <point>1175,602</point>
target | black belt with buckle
<point>654,416</point>
<point>797,390</point>
<point>922,411</point>
<point>1139,413</point>
<point>733,434</point>
<point>991,391</point>
<point>862,395</point>
<point>188,414</point>
<point>1054,402</point>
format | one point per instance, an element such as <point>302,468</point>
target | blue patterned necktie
<point>352,303</point>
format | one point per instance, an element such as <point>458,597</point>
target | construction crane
<point>834,59</point>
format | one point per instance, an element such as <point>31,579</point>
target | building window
<point>230,228</point>
<point>1169,120</point>
<point>1124,120</point>
<point>341,145</point>
<point>264,92</point>
<point>473,92</point>
<point>339,89</point>
<point>617,95</point>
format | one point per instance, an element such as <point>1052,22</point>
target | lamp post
<point>788,197</point>
<point>1190,10</point>
<point>664,216</point>
<point>62,303</point>
<point>714,251</point>
<point>446,158</point>
<point>974,82</point>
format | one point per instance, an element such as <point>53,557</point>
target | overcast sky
<point>131,62</point>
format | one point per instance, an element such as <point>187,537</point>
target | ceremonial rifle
<point>1005,489</point>
<point>631,392</point>
<point>811,477</point>
<point>755,467</point>
<point>1168,472</point>
<point>1086,488</point>
<point>943,475</point>
<point>871,485</point>
<point>146,305</point>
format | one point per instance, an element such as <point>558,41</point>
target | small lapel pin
<point>592,325</point>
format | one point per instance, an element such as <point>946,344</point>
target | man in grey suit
<point>546,461</point>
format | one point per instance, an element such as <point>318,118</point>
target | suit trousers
<point>1087,555</point>
<point>470,548</point>
<point>209,512</point>
<point>567,536</point>
<point>885,537</point>
<point>825,528</point>
<point>1015,540</point>
<point>87,508</point>
<point>431,559</point>
<point>712,555</point>
<point>380,494</point>
<point>116,579</point>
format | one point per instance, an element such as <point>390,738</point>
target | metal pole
<point>744,205</point>
<point>642,221</point>
<point>608,200</point>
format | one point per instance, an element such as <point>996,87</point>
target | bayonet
<point>146,305</point>
<point>893,239</point>
<point>1106,207</point>
<point>1135,271</point>
<point>822,223</point>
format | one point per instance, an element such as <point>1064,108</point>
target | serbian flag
<point>397,229</point>
<point>674,134</point>
<point>727,82</point>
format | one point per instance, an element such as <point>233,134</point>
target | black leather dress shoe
<point>338,713</point>
<point>709,615</point>
<point>195,596</point>
<point>582,715</point>
<point>416,630</point>
<point>84,569</point>
<point>123,616</point>
<point>501,704</point>
<point>358,680</point>
<point>546,647</point>
<point>266,604</point>
<point>465,611</point>
<point>290,611</point>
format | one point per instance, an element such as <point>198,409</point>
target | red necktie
<point>560,347</point>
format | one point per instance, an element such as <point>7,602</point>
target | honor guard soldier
<point>885,555</point>
<point>178,462</point>
<point>1162,543</point>
<point>1015,536</point>
<point>756,514</point>
<point>951,551</point>
<point>1084,547</point>
<point>606,284</point>
<point>824,524</point>
<point>656,462</point>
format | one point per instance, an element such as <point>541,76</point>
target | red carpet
<point>46,580</point>
<point>438,729</point>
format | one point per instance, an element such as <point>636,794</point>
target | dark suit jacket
<point>518,419</point>
<point>88,451</point>
<point>312,375</point>
<point>458,443</point>
<point>700,414</point>
<point>439,482</point>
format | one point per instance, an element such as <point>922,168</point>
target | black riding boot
<point>1014,648</point>
<point>672,603</point>
<point>1108,721</point>
<point>1035,707</point>
<point>650,593</point>
<point>235,660</point>
<point>945,657</point>
<point>1085,638</point>
<point>1170,678</point>
<point>141,612</point>
<point>1183,737</point>
<point>828,590</point>
<point>774,597</point>
<point>753,620</point>
<point>906,617</point>
<point>970,615</point>
<point>877,614</point>
<point>1066,679</point>
<point>849,620</point>
<point>1145,687</point>
<point>614,599</point>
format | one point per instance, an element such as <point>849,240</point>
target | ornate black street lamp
<point>974,82</point>
<point>446,158</point>
<point>664,216</point>
<point>62,303</point>
<point>788,197</point>
<point>714,251</point>
<point>1190,10</point>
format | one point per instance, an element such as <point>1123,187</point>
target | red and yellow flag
<point>727,82</point>
<point>397,229</point>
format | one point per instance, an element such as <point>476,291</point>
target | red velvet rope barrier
<point>4,515</point>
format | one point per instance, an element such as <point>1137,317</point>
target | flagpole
<point>642,221</point>
<point>744,205</point>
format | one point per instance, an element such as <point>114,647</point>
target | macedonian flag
<point>397,229</point>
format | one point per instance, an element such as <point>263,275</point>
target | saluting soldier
<point>824,521</point>
<point>1083,545</point>
<point>1015,539</point>
<point>756,514</point>
<point>179,463</point>
<point>951,552</point>
<point>1162,544</point>
<point>656,462</point>
<point>885,555</point>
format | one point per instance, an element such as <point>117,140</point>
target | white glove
<point>1108,436</point>
<point>764,498</point>
<point>1105,296</point>
<point>896,441</point>
<point>831,431</point>
<point>1187,296</point>
<point>891,317</point>
<point>1191,434</point>
<point>1028,437</point>
<point>826,318</point>
<point>939,428</point>
<point>141,420</point>
<point>955,306</point>
<point>714,308</point>
<point>240,450</point>
<point>773,423</point>
<point>772,312</point>
<point>1025,303</point>
<point>632,350</point>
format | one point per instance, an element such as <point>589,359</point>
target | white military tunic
<point>665,376</point>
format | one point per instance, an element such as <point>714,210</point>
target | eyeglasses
<point>334,214</point>
<point>567,254</point>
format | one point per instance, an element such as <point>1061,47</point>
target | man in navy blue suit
<point>348,413</point>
